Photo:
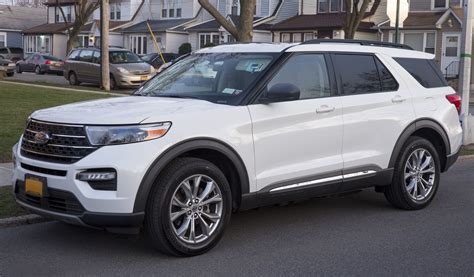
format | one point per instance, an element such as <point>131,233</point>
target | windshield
<point>118,57</point>
<point>148,57</point>
<point>51,58</point>
<point>217,77</point>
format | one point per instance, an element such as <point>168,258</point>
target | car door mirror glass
<point>281,92</point>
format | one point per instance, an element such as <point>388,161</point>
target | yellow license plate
<point>144,78</point>
<point>34,186</point>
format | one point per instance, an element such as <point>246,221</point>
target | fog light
<point>96,176</point>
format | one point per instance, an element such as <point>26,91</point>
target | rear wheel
<point>18,69</point>
<point>113,83</point>
<point>73,81</point>
<point>416,176</point>
<point>189,207</point>
<point>38,70</point>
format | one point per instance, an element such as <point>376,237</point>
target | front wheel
<point>416,176</point>
<point>188,208</point>
<point>18,69</point>
<point>73,81</point>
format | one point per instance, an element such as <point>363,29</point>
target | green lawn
<point>17,102</point>
<point>8,207</point>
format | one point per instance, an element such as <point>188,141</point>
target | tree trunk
<point>104,45</point>
<point>354,16</point>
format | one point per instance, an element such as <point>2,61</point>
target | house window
<point>308,36</point>
<point>35,43</point>
<point>439,4</point>
<point>3,39</point>
<point>115,11</point>
<point>297,37</point>
<point>335,5</point>
<point>285,37</point>
<point>164,13</point>
<point>138,44</point>
<point>323,6</point>
<point>178,12</point>
<point>171,13</point>
<point>67,14</point>
<point>209,39</point>
<point>83,41</point>
<point>425,42</point>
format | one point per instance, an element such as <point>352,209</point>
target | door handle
<point>398,99</point>
<point>325,109</point>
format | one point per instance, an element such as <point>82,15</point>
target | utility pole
<point>104,45</point>
<point>397,23</point>
<point>465,70</point>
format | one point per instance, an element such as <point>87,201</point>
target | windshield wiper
<point>177,96</point>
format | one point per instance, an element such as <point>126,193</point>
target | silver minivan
<point>126,68</point>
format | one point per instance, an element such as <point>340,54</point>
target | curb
<point>21,220</point>
<point>64,88</point>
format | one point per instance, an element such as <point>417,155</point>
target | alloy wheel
<point>420,174</point>
<point>196,209</point>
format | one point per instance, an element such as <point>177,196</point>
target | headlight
<point>152,69</point>
<point>107,135</point>
<point>122,70</point>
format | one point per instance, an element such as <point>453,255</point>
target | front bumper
<point>133,80</point>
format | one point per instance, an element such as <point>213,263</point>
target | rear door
<point>85,66</point>
<point>377,107</point>
<point>298,144</point>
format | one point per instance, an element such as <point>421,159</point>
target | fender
<point>170,154</point>
<point>412,128</point>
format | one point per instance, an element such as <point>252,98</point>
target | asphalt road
<point>357,235</point>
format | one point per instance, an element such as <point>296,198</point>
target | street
<point>357,234</point>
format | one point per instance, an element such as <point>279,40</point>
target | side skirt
<point>325,186</point>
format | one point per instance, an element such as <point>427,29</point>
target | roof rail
<point>360,42</point>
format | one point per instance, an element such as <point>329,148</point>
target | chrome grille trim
<point>51,155</point>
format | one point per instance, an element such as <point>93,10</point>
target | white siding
<point>309,6</point>
<point>174,41</point>
<point>59,45</point>
<point>193,40</point>
<point>262,36</point>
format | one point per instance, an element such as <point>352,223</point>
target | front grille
<point>48,171</point>
<point>140,72</point>
<point>55,200</point>
<point>68,143</point>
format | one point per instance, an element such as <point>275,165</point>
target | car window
<point>357,73</point>
<point>3,51</point>
<point>74,55</point>
<point>424,71</point>
<point>51,58</point>
<point>86,56</point>
<point>15,50</point>
<point>308,72</point>
<point>96,57</point>
<point>148,57</point>
<point>386,78</point>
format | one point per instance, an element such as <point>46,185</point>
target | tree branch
<point>220,18</point>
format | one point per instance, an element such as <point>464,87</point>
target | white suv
<point>234,127</point>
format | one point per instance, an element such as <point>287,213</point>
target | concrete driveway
<point>355,235</point>
<point>5,174</point>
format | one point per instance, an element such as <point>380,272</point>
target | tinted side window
<point>308,72</point>
<point>388,82</point>
<point>357,73</point>
<point>96,57</point>
<point>424,71</point>
<point>74,55</point>
<point>86,56</point>
<point>3,51</point>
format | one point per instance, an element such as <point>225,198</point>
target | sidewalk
<point>5,174</point>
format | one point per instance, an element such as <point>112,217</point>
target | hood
<point>123,110</point>
<point>134,67</point>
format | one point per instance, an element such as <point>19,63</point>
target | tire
<point>415,181</point>
<point>163,232</point>
<point>73,81</point>
<point>10,74</point>
<point>18,69</point>
<point>38,70</point>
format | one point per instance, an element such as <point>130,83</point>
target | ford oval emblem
<point>42,137</point>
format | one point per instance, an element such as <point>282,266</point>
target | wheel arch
<point>428,129</point>
<point>194,147</point>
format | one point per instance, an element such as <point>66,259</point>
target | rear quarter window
<point>424,71</point>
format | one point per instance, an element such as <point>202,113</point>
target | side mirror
<point>280,93</point>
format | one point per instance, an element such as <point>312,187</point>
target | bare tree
<point>354,15</point>
<point>243,32</point>
<point>83,9</point>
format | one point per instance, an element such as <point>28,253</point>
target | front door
<point>298,144</point>
<point>450,54</point>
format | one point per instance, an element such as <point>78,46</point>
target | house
<point>51,37</point>
<point>14,19</point>
<point>432,26</point>
<point>326,19</point>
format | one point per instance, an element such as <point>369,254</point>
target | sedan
<point>41,64</point>
<point>7,66</point>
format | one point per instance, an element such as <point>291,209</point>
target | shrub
<point>185,48</point>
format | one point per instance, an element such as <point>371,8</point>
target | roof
<point>213,25</point>
<point>422,19</point>
<point>51,28</point>
<point>112,25</point>
<point>20,18</point>
<point>61,2</point>
<point>247,47</point>
<point>316,21</point>
<point>156,25</point>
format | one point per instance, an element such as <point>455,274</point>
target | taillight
<point>455,100</point>
<point>47,62</point>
